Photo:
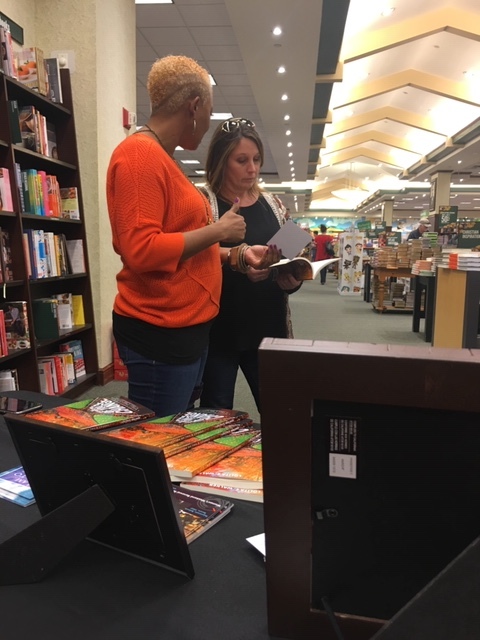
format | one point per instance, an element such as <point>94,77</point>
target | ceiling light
<point>286,117</point>
<point>277,31</point>
<point>221,116</point>
<point>281,69</point>
<point>288,132</point>
<point>153,1</point>
<point>190,161</point>
<point>212,80</point>
<point>459,162</point>
<point>289,144</point>
<point>178,148</point>
<point>200,172</point>
<point>290,154</point>
<point>284,97</point>
<point>291,161</point>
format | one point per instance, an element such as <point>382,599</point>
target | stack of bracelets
<point>236,258</point>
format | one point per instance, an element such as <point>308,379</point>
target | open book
<point>302,268</point>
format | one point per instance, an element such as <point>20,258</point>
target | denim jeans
<point>220,376</point>
<point>163,388</point>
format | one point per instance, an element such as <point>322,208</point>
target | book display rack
<point>36,212</point>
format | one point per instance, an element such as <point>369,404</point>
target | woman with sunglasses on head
<point>170,280</point>
<point>254,303</point>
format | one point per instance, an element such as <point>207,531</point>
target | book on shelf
<point>76,347</point>
<point>14,121</point>
<point>75,256</point>
<point>69,203</point>
<point>64,310</point>
<point>45,318</point>
<point>94,413</point>
<point>8,379</point>
<point>31,69</point>
<point>302,268</point>
<point>9,64</point>
<point>52,366</point>
<point>6,256</point>
<point>17,172</point>
<point>29,128</point>
<point>51,150</point>
<point>197,512</point>
<point>14,487</point>
<point>191,462</point>
<point>78,310</point>
<point>231,493</point>
<point>3,336</point>
<point>6,200</point>
<point>16,324</point>
<point>242,469</point>
<point>54,84</point>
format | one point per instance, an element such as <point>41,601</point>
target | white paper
<point>258,542</point>
<point>291,239</point>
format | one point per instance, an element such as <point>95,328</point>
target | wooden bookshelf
<point>66,170</point>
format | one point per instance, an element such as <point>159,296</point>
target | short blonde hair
<point>175,79</point>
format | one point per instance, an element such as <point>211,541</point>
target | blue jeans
<point>220,376</point>
<point>163,388</point>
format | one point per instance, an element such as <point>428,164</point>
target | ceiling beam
<point>451,19</point>
<point>386,113</point>
<point>349,155</point>
<point>460,91</point>
<point>370,136</point>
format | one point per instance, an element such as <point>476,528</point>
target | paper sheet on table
<point>291,239</point>
<point>258,542</point>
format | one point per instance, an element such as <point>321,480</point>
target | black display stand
<point>31,554</point>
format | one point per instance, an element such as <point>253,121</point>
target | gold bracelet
<point>236,258</point>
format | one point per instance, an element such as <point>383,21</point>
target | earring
<point>194,126</point>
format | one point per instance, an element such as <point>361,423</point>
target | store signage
<point>468,235</point>
<point>447,216</point>
<point>364,225</point>
<point>15,29</point>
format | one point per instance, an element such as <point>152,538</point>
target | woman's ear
<point>194,104</point>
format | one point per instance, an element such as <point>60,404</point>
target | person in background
<point>169,283</point>
<point>254,303</point>
<point>313,247</point>
<point>321,241</point>
<point>423,225</point>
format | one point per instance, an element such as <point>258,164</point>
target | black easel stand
<point>32,553</point>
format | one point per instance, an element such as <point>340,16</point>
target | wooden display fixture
<point>371,474</point>
<point>381,275</point>
<point>62,164</point>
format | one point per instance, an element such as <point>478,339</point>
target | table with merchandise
<point>99,593</point>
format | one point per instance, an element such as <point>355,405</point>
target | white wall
<point>101,34</point>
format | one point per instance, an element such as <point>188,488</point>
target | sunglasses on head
<point>235,123</point>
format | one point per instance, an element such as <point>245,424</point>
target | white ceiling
<point>393,87</point>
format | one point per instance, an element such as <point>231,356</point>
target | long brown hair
<point>221,146</point>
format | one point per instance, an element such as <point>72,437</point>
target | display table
<point>101,594</point>
<point>381,274</point>
<point>424,284</point>
<point>456,311</point>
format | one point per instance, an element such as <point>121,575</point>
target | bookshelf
<point>22,287</point>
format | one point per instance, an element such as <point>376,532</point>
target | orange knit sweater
<point>151,204</point>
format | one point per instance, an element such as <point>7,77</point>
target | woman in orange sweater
<point>170,280</point>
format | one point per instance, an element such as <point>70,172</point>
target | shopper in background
<point>169,283</point>
<point>423,225</point>
<point>321,241</point>
<point>254,304</point>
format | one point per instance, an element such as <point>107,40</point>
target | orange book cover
<point>192,461</point>
<point>242,469</point>
<point>93,414</point>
